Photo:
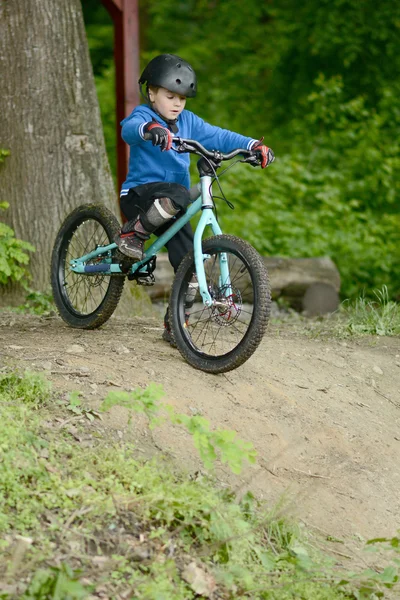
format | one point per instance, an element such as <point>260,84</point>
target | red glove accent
<point>160,135</point>
<point>263,153</point>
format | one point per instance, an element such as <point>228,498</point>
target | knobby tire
<point>216,322</point>
<point>107,289</point>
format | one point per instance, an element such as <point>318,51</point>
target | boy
<point>156,189</point>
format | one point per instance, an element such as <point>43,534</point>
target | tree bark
<point>50,121</point>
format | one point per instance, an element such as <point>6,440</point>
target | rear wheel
<point>223,336</point>
<point>83,300</point>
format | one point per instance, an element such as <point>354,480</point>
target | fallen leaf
<point>201,582</point>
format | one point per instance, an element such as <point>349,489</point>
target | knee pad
<point>160,212</point>
<point>182,201</point>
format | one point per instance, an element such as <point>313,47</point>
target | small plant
<point>143,401</point>
<point>375,317</point>
<point>13,253</point>
<point>3,154</point>
<point>75,406</point>
<point>29,388</point>
<point>372,583</point>
<point>37,303</point>
<point>56,583</point>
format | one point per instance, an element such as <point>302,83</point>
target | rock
<point>320,298</point>
<point>75,349</point>
<point>60,362</point>
<point>121,349</point>
<point>377,370</point>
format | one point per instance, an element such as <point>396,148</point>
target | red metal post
<point>125,15</point>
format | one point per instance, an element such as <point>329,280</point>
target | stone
<point>75,349</point>
<point>377,370</point>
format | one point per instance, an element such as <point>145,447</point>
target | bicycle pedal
<point>149,280</point>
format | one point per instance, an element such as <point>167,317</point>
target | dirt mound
<point>323,414</point>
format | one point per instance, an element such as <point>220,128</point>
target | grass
<point>89,522</point>
<point>363,316</point>
<point>379,316</point>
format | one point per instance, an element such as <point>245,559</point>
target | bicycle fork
<point>208,219</point>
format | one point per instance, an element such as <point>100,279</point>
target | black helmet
<point>172,73</point>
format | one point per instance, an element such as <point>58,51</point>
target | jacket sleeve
<point>132,128</point>
<point>216,138</point>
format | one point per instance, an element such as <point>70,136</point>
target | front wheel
<point>223,336</point>
<point>84,301</point>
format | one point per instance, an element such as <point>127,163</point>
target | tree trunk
<point>50,121</point>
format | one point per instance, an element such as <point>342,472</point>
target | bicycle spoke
<point>217,329</point>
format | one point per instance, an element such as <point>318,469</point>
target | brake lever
<point>251,160</point>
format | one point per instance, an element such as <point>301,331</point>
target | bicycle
<point>230,306</point>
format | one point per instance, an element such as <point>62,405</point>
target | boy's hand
<point>160,135</point>
<point>263,153</point>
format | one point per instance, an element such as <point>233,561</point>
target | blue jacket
<point>148,164</point>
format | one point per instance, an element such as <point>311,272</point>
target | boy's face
<point>168,104</point>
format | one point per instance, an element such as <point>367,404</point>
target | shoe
<point>167,333</point>
<point>168,337</point>
<point>131,244</point>
<point>192,291</point>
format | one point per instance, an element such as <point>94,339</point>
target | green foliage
<point>232,450</point>
<point>13,254</point>
<point>358,40</point>
<point>106,91</point>
<point>334,195</point>
<point>100,33</point>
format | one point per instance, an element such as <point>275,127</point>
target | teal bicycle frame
<point>204,203</point>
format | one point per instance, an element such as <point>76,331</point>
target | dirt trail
<point>323,415</point>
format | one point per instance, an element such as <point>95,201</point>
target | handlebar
<point>194,147</point>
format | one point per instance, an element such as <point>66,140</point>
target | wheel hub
<point>227,305</point>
